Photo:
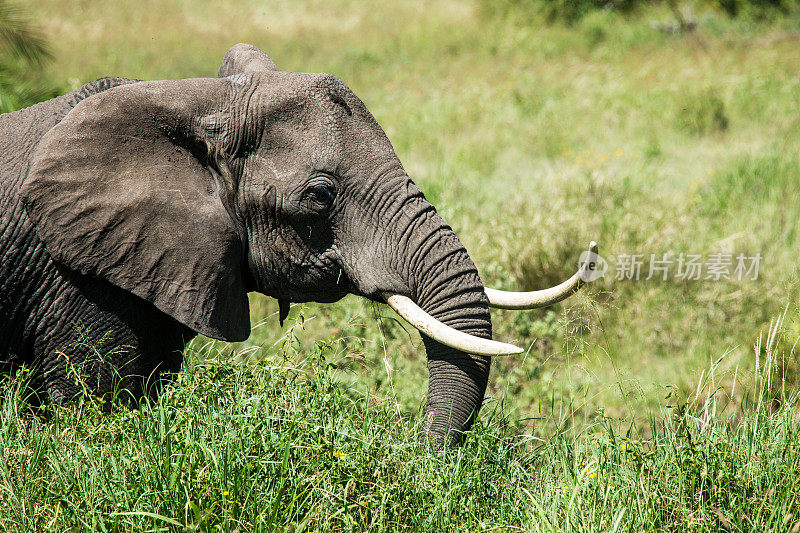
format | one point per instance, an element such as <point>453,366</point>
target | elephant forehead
<point>295,87</point>
<point>315,121</point>
<point>306,97</point>
<point>304,82</point>
<point>321,141</point>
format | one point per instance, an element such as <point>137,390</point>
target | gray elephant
<point>137,214</point>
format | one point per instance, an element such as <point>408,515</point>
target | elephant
<point>138,214</point>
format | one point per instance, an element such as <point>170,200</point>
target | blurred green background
<point>535,127</point>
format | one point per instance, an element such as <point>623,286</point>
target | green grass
<point>532,139</point>
<point>279,443</point>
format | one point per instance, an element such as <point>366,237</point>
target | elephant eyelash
<point>320,193</point>
<point>323,195</point>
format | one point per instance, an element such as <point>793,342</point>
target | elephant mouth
<point>299,294</point>
<point>326,285</point>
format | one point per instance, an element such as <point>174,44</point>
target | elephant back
<point>21,131</point>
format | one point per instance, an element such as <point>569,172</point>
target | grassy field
<point>646,404</point>
<point>280,445</point>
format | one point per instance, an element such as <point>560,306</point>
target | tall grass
<point>280,443</point>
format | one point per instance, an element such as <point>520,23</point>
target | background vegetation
<point>534,127</point>
<point>23,51</point>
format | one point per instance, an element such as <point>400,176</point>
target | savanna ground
<point>639,405</point>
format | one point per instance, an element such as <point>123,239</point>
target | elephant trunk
<point>456,387</point>
<point>444,282</point>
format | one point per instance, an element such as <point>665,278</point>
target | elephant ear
<point>122,189</point>
<point>243,59</point>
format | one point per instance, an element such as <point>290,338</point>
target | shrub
<point>755,9</point>
<point>703,113</point>
<point>573,10</point>
<point>23,51</point>
<point>565,10</point>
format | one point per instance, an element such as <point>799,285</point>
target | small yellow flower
<point>225,493</point>
<point>340,454</point>
<point>623,447</point>
<point>593,475</point>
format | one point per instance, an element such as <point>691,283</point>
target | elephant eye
<point>320,193</point>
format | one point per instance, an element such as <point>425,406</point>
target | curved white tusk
<point>443,333</point>
<point>545,297</point>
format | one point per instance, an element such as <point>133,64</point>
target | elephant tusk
<point>443,333</point>
<point>544,297</point>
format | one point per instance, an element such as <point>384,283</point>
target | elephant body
<point>137,214</point>
<point>77,330</point>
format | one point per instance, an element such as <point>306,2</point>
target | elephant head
<point>191,193</point>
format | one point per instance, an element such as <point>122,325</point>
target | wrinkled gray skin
<point>136,214</point>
